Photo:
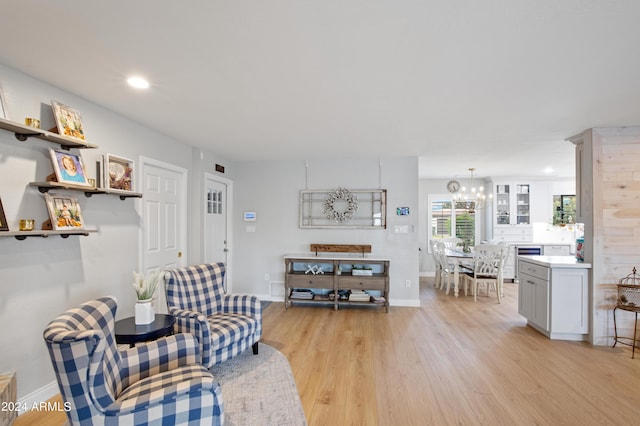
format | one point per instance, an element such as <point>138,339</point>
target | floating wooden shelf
<point>22,133</point>
<point>88,191</point>
<point>21,235</point>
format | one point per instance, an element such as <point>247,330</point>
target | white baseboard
<point>408,303</point>
<point>37,397</point>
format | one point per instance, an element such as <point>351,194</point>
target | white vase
<point>144,312</point>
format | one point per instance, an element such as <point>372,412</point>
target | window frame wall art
<point>343,208</point>
<point>118,172</point>
<point>68,121</point>
<point>64,211</point>
<point>64,170</point>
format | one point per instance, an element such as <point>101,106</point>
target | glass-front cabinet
<point>512,204</point>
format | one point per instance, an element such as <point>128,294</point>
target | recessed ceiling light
<point>138,82</point>
<point>548,170</point>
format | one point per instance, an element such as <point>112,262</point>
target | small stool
<point>628,300</point>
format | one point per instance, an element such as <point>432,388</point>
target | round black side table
<point>127,332</point>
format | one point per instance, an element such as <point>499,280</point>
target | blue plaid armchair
<point>159,383</point>
<point>224,324</point>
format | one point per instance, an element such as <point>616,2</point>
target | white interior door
<point>216,221</point>
<point>164,200</point>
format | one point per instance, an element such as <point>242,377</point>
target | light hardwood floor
<point>449,362</point>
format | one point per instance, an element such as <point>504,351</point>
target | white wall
<point>271,189</point>
<point>40,278</point>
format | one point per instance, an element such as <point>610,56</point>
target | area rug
<point>259,389</point>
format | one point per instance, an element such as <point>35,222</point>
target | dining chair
<point>452,243</point>
<point>488,261</point>
<point>436,262</point>
<point>447,267</point>
<point>505,255</point>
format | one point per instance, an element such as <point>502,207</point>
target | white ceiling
<point>496,84</point>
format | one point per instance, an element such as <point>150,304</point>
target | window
<point>564,209</point>
<point>448,218</point>
<point>214,201</point>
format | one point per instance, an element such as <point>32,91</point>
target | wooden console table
<point>323,276</point>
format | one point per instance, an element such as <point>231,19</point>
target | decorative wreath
<point>340,194</point>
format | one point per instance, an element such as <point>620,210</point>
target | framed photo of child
<point>64,212</point>
<point>69,167</point>
<point>118,173</point>
<point>68,120</point>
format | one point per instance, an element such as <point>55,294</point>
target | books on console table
<point>359,296</point>
<point>302,294</point>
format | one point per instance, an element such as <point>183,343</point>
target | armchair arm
<point>157,356</point>
<point>196,324</point>
<point>245,305</point>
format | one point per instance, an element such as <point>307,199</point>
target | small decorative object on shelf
<point>26,224</point>
<point>32,122</point>
<point>314,269</point>
<point>361,270</point>
<point>145,288</point>
<point>68,120</point>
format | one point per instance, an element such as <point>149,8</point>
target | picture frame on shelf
<point>68,120</point>
<point>69,167</point>
<point>3,108</point>
<point>4,226</point>
<point>118,173</point>
<point>64,212</point>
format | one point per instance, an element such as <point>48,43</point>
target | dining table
<point>460,260</point>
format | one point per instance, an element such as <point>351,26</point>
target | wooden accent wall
<point>608,189</point>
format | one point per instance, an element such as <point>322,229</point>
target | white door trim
<point>183,200</point>
<point>229,206</point>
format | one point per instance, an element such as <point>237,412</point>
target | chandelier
<point>473,196</point>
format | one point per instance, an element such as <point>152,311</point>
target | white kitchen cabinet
<point>554,294</point>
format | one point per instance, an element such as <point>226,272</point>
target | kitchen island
<point>554,295</point>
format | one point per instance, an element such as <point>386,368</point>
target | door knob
<point>179,254</point>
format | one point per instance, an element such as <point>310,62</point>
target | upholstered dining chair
<point>224,324</point>
<point>157,383</point>
<point>488,261</point>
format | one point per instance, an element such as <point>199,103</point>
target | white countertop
<point>557,261</point>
